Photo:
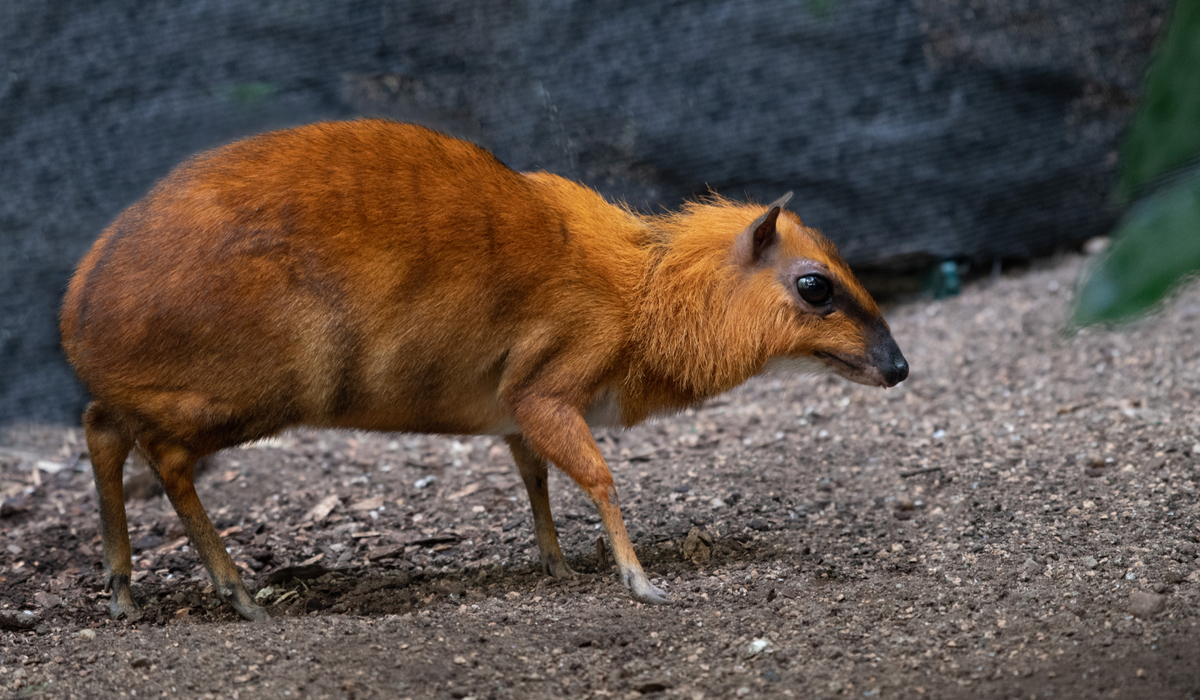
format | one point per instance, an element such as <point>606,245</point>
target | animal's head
<point>833,320</point>
<point>742,289</point>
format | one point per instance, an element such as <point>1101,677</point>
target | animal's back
<point>368,274</point>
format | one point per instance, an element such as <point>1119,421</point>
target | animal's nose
<point>887,358</point>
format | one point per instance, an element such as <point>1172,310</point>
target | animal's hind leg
<point>534,471</point>
<point>174,464</point>
<point>109,445</point>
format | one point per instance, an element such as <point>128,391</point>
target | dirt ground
<point>1017,520</point>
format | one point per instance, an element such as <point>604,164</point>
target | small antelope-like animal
<point>381,276</point>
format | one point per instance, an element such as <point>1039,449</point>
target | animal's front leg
<point>558,432</point>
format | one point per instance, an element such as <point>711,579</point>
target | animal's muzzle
<point>886,357</point>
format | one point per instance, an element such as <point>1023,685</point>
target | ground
<point>1018,519</point>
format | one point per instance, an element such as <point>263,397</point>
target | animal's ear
<point>758,238</point>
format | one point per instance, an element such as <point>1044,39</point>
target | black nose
<point>887,358</point>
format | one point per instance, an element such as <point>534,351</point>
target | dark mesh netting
<point>911,131</point>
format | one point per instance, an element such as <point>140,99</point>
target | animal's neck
<point>695,335</point>
<point>694,328</point>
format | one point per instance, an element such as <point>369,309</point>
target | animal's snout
<point>887,358</point>
<point>898,371</point>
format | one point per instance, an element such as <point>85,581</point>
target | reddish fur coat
<point>381,276</point>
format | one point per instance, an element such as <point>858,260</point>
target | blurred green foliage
<point>1166,131</point>
<point>1157,244</point>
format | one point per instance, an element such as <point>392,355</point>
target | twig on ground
<point>917,472</point>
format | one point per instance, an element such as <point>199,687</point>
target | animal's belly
<point>605,412</point>
<point>450,403</point>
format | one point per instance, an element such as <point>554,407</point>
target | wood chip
<point>470,489</point>
<point>50,467</point>
<point>22,455</point>
<point>502,484</point>
<point>322,510</point>
<point>436,539</point>
<point>170,546</point>
<point>371,533</point>
<point>386,552</point>
<point>300,573</point>
<point>371,503</point>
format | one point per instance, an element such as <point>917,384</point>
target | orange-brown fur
<point>380,276</point>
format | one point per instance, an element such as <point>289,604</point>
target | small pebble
<point>47,600</point>
<point>1145,605</point>
<point>697,547</point>
<point>757,647</point>
<point>18,620</point>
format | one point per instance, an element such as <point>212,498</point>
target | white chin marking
<point>796,365</point>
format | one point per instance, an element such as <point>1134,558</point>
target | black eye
<point>815,289</point>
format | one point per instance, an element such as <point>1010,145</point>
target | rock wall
<point>910,130</point>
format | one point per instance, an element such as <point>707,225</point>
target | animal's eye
<point>815,289</point>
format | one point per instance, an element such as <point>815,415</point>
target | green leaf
<point>1166,131</point>
<point>1155,247</point>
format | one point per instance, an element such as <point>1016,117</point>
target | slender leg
<point>174,467</point>
<point>534,471</point>
<point>559,433</point>
<point>108,446</point>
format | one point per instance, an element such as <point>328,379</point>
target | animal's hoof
<point>645,592</point>
<point>127,610</point>
<point>558,569</point>
<point>653,595</point>
<point>121,604</point>
<point>245,606</point>
<point>253,613</point>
